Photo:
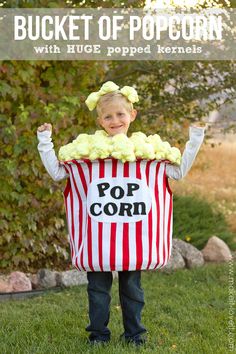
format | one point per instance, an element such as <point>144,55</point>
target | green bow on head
<point>107,87</point>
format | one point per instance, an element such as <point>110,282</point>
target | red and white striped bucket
<point>119,215</point>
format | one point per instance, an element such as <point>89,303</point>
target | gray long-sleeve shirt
<point>58,172</point>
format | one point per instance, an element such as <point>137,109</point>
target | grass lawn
<point>211,182</point>
<point>185,312</point>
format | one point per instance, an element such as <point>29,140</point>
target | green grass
<point>197,219</point>
<point>185,312</point>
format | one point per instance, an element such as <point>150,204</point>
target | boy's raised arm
<point>196,137</point>
<point>48,156</point>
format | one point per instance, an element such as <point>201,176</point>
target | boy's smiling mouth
<point>117,127</point>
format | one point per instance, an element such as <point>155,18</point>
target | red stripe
<point>156,191</point>
<point>170,211</point>
<point>113,246</point>
<point>66,193</point>
<point>113,226</point>
<point>101,168</point>
<point>85,187</point>
<point>83,182</point>
<point>100,224</point>
<point>64,165</point>
<point>67,188</point>
<point>139,245</point>
<point>138,229</point>
<point>81,174</point>
<point>147,172</point>
<point>71,243</point>
<point>169,229</point>
<point>80,215</point>
<point>89,240</point>
<point>114,167</point>
<point>89,229</point>
<point>82,177</point>
<point>126,246</point>
<point>164,206</point>
<point>150,236</point>
<point>126,169</point>
<point>77,192</point>
<point>125,243</point>
<point>72,221</point>
<point>138,171</point>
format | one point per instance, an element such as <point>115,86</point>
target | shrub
<point>32,221</point>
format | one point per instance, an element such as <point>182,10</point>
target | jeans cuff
<point>134,337</point>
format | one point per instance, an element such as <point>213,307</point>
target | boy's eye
<point>120,114</point>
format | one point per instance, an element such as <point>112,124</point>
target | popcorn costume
<point>119,209</point>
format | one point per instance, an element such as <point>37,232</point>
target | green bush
<point>194,218</point>
<point>32,216</point>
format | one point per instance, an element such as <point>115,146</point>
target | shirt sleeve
<point>48,156</point>
<point>196,137</point>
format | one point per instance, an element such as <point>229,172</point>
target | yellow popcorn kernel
<point>160,155</point>
<point>92,99</point>
<point>166,145</point>
<point>130,93</point>
<point>100,146</point>
<point>108,86</point>
<point>138,136</point>
<point>82,137</point>
<point>155,141</point>
<point>123,148</point>
<point>174,155</point>
<point>101,133</point>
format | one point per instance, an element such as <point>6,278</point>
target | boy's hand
<point>45,126</point>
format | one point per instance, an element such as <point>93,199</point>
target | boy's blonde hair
<point>108,97</point>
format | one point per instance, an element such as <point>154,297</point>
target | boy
<point>115,114</point>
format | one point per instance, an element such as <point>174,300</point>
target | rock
<point>34,280</point>
<point>4,277</point>
<point>71,278</point>
<point>19,282</point>
<point>5,286</point>
<point>176,261</point>
<point>216,250</point>
<point>47,278</point>
<point>191,255</point>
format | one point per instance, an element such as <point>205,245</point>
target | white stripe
<point>69,223</point>
<point>152,184</point>
<point>106,234</point>
<point>161,208</point>
<point>119,227</point>
<point>171,231</point>
<point>94,225</point>
<point>145,238</point>
<point>119,246</point>
<point>84,217</point>
<point>106,238</point>
<point>76,215</point>
<point>132,228</point>
<point>167,207</point>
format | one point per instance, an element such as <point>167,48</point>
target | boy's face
<point>115,118</point>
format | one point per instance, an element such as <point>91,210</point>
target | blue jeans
<point>131,300</point>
